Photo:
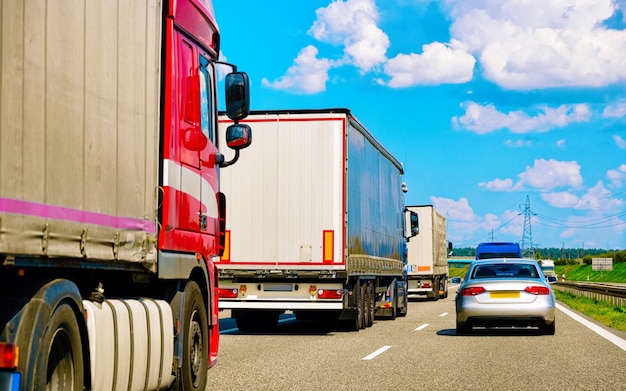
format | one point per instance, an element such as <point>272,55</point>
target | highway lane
<point>418,352</point>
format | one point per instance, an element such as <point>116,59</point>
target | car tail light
<point>229,293</point>
<point>9,355</point>
<point>329,293</point>
<point>473,291</point>
<point>537,290</point>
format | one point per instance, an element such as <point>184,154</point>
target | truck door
<point>193,207</point>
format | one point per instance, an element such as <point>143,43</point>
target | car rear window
<point>510,270</point>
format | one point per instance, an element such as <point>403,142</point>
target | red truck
<point>110,208</point>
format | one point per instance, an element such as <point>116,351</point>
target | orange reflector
<point>226,253</point>
<point>329,238</point>
<point>329,293</point>
<point>229,293</point>
<point>9,355</point>
<point>243,289</point>
<point>312,290</point>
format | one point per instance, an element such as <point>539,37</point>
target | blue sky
<point>486,102</point>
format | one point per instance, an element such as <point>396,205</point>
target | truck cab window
<point>207,117</point>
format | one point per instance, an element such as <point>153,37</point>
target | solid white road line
<point>422,327</point>
<point>621,343</point>
<point>376,353</point>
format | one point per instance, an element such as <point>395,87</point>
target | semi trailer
<point>427,267</point>
<point>316,223</point>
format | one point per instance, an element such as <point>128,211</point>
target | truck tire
<point>435,293</point>
<point>60,356</point>
<point>370,306</point>
<point>195,335</point>
<point>361,306</point>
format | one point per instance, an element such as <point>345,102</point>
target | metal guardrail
<point>611,293</point>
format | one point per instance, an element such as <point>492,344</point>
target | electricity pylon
<point>528,250</point>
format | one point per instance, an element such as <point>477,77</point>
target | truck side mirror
<point>412,222</point>
<point>237,96</point>
<point>238,136</point>
<point>450,249</point>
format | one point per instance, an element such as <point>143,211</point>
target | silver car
<point>505,293</point>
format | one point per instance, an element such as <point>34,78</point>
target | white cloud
<point>561,143</point>
<point>527,44</point>
<point>518,143</point>
<point>620,142</point>
<point>498,184</point>
<point>597,198</point>
<point>455,210</point>
<point>551,174</point>
<point>439,63</point>
<point>617,176</point>
<point>483,119</point>
<point>544,175</point>
<point>615,110</point>
<point>308,75</point>
<point>353,23</point>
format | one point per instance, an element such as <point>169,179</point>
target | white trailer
<point>427,268</point>
<point>315,222</point>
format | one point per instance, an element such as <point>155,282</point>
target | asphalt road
<point>418,352</point>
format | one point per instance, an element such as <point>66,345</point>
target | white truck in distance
<point>427,268</point>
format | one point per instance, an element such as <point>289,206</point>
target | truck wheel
<point>370,305</point>
<point>195,340</point>
<point>361,306</point>
<point>405,301</point>
<point>60,357</point>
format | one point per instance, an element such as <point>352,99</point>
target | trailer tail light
<point>9,355</point>
<point>537,290</point>
<point>427,285</point>
<point>330,293</point>
<point>473,291</point>
<point>229,293</point>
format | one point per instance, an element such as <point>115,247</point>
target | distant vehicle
<point>547,267</point>
<point>551,279</point>
<point>455,280</point>
<point>427,264</point>
<point>505,293</point>
<point>489,250</point>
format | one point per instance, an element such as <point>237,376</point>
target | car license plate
<point>504,295</point>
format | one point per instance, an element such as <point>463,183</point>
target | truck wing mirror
<point>237,96</point>
<point>238,136</point>
<point>412,222</point>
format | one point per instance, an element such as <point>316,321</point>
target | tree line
<point>561,256</point>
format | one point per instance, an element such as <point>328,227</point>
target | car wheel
<point>462,328</point>
<point>548,329</point>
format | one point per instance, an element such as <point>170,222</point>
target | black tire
<point>361,306</point>
<point>462,328</point>
<point>195,334</point>
<point>435,294</point>
<point>370,305</point>
<point>548,329</point>
<point>405,302</point>
<point>60,355</point>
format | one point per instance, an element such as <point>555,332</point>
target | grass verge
<point>602,311</point>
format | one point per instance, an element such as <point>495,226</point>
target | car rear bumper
<point>541,311</point>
